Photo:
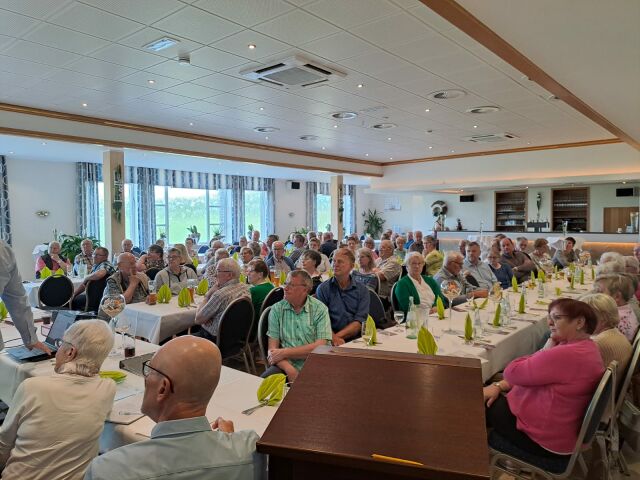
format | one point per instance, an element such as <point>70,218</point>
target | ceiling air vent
<point>491,138</point>
<point>447,94</point>
<point>293,72</point>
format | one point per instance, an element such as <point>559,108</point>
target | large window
<point>187,207</point>
<point>323,212</point>
<point>161,211</point>
<point>102,237</point>
<point>255,204</point>
<point>347,221</point>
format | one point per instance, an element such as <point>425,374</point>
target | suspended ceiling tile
<point>15,25</point>
<point>65,39</point>
<point>143,11</point>
<point>173,69</point>
<point>296,27</point>
<point>238,44</point>
<point>223,82</point>
<point>148,35</point>
<point>245,12</point>
<point>92,66</point>
<point>338,47</point>
<point>347,14</point>
<point>92,21</point>
<point>39,9</point>
<point>214,59</point>
<point>197,25</point>
<point>142,79</point>
<point>35,52</point>
<point>405,29</point>
<point>191,90</point>
<point>127,56</point>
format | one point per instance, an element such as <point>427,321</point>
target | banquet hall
<point>217,142</point>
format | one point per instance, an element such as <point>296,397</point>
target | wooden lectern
<point>348,404</point>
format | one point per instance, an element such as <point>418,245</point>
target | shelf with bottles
<point>511,210</point>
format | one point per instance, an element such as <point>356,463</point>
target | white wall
<point>601,196</point>
<point>37,186</point>
<point>290,208</point>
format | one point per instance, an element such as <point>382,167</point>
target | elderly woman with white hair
<point>610,262</point>
<point>52,260</point>
<point>53,426</point>
<point>612,343</point>
<point>424,289</point>
<point>620,288</point>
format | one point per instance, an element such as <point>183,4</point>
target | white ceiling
<point>59,54</point>
<point>29,149</point>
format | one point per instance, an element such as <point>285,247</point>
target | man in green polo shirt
<point>297,325</point>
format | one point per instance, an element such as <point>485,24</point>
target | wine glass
<point>112,304</point>
<point>367,333</point>
<point>495,295</point>
<point>399,318</point>
<point>450,289</point>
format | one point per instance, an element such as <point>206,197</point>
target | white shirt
<point>427,297</point>
<point>53,427</point>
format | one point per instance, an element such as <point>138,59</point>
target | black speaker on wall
<point>626,192</point>
<point>467,198</point>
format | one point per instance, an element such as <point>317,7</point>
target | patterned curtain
<point>88,175</point>
<point>349,214</point>
<point>312,210</point>
<point>180,179</point>
<point>5,216</point>
<point>145,180</point>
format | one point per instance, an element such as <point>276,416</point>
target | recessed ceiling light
<point>484,109</point>
<point>344,115</point>
<point>429,131</point>
<point>308,137</point>
<point>266,138</point>
<point>161,44</point>
<point>85,105</point>
<point>366,154</point>
<point>266,129</point>
<point>527,188</point>
<point>335,126</point>
<point>390,158</point>
<point>528,143</point>
<point>389,139</point>
<point>191,124</point>
<point>475,126</point>
<point>251,46</point>
<point>447,94</point>
<point>151,82</point>
<point>453,151</point>
<point>10,153</point>
<point>624,183</point>
<point>323,148</point>
<point>261,109</point>
<point>383,126</point>
<point>461,190</point>
<point>360,85</point>
<point>43,143</point>
<point>427,109</point>
<point>430,147</point>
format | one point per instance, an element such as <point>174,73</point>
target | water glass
<point>399,318</point>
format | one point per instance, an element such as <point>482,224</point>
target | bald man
<point>183,445</point>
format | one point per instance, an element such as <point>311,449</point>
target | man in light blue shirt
<point>475,267</point>
<point>183,445</point>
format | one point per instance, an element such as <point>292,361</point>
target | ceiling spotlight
<point>344,115</point>
<point>191,124</point>
<point>461,190</point>
<point>390,158</point>
<point>261,109</point>
<point>475,126</point>
<point>447,94</point>
<point>453,151</point>
<point>251,46</point>
<point>43,143</point>
<point>388,139</point>
<point>85,105</point>
<point>383,126</point>
<point>151,82</point>
<point>484,109</point>
<point>266,138</point>
<point>266,129</point>
<point>309,137</point>
<point>10,153</point>
<point>427,109</point>
<point>360,85</point>
<point>335,126</point>
<point>184,60</point>
<point>366,154</point>
<point>430,147</point>
<point>323,148</point>
<point>624,183</point>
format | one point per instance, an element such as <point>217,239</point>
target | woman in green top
<point>258,276</point>
<point>432,257</point>
<point>422,288</point>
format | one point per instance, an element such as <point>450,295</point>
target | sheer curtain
<point>268,213</point>
<point>349,215</point>
<point>5,216</point>
<point>145,180</point>
<point>88,175</point>
<point>312,207</point>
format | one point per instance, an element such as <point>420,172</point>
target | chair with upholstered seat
<point>55,292</point>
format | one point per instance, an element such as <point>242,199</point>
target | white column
<point>114,220</point>
<point>337,206</point>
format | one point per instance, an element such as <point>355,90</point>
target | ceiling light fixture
<point>383,126</point>
<point>309,137</point>
<point>191,124</point>
<point>161,44</point>
<point>475,126</point>
<point>151,82</point>
<point>427,109</point>
<point>429,131</point>
<point>184,60</point>
<point>266,138</point>
<point>366,154</point>
<point>388,139</point>
<point>484,109</point>
<point>10,153</point>
<point>344,115</point>
<point>360,85</point>
<point>447,94</point>
<point>453,151</point>
<point>266,129</point>
<point>624,183</point>
<point>251,46</point>
<point>335,126</point>
<point>85,105</point>
<point>430,147</point>
<point>261,109</point>
<point>323,148</point>
<point>390,158</point>
<point>43,143</point>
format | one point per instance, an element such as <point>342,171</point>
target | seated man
<point>410,240</point>
<point>452,270</point>
<point>154,258</point>
<point>564,256</point>
<point>127,247</point>
<point>298,247</point>
<point>347,300</point>
<point>521,265</point>
<point>328,244</point>
<point>101,269</point>
<point>268,245</point>
<point>127,281</point>
<point>210,269</point>
<point>476,268</point>
<point>325,265</point>
<point>297,325</point>
<point>278,260</point>
<point>176,276</point>
<point>85,256</point>
<point>183,445</point>
<point>522,245</point>
<point>225,289</point>
<point>387,268</point>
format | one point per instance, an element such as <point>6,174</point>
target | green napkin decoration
<point>203,287</point>
<point>555,271</point>
<point>558,291</point>
<point>45,272</point>
<point>115,375</point>
<point>468,328</point>
<point>3,311</point>
<point>371,326</point>
<point>330,273</point>
<point>243,278</point>
<point>541,276</point>
<point>581,277</point>
<point>426,343</point>
<point>195,262</point>
<point>496,317</point>
<point>59,272</point>
<point>573,280</point>
<point>271,390</point>
<point>484,303</point>
<point>593,273</point>
<point>439,308</point>
<point>184,297</point>
<point>533,277</point>
<point>164,294</point>
<point>235,256</point>
<point>283,277</point>
<point>514,284</point>
<point>522,304</point>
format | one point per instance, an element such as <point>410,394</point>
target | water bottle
<point>541,291</point>
<point>505,312</point>
<point>478,328</point>
<point>412,320</point>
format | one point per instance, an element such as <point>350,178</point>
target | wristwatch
<point>497,384</point>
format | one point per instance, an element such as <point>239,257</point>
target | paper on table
<point>125,389</point>
<point>126,411</point>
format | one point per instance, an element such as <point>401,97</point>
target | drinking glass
<point>495,295</point>
<point>367,333</point>
<point>112,305</point>
<point>450,289</point>
<point>127,329</point>
<point>399,318</point>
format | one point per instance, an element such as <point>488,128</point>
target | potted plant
<point>193,231</point>
<point>373,223</point>
<point>250,231</point>
<point>217,234</point>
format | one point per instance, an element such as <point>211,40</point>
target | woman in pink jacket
<point>548,392</point>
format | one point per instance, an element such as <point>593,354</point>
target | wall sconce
<point>42,213</point>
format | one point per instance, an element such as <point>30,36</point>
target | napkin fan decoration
<point>541,276</point>
<point>522,304</point>
<point>581,277</point>
<point>426,343</point>
<point>468,328</point>
<point>3,311</point>
<point>115,375</point>
<point>235,256</point>
<point>440,308</point>
<point>203,287</point>
<point>271,390</point>
<point>371,326</point>
<point>195,262</point>
<point>45,272</point>
<point>496,316</point>
<point>164,294</point>
<point>283,277</point>
<point>59,272</point>
<point>514,284</point>
<point>184,297</point>
<point>533,278</point>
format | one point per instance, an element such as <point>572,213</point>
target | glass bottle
<point>412,320</point>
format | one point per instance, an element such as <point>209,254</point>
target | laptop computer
<point>63,320</point>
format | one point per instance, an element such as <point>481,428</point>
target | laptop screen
<point>63,320</point>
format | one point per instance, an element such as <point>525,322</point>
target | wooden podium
<point>348,404</point>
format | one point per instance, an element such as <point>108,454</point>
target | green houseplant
<point>193,233</point>
<point>70,245</point>
<point>373,223</point>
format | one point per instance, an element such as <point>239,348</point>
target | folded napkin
<point>371,326</point>
<point>573,280</point>
<point>533,277</point>
<point>184,297</point>
<point>271,390</point>
<point>330,272</point>
<point>581,277</point>
<point>235,256</point>
<point>203,287</point>
<point>3,311</point>
<point>115,375</point>
<point>426,343</point>
<point>482,305</point>
<point>45,272</point>
<point>541,276</point>
<point>514,284</point>
<point>558,291</point>
<point>439,308</point>
<point>195,261</point>
<point>522,304</point>
<point>468,328</point>
<point>593,273</point>
<point>496,316</point>
<point>164,294</point>
<point>283,277</point>
<point>243,278</point>
<point>59,272</point>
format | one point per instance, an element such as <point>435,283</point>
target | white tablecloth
<point>33,287</point>
<point>236,391</point>
<point>159,322</point>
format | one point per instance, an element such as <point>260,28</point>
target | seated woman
<point>52,260</point>
<point>192,248</point>
<point>424,289</point>
<point>53,426</point>
<point>502,271</point>
<point>549,391</point>
<point>612,343</point>
<point>246,255</point>
<point>185,259</point>
<point>432,257</point>
<point>564,256</point>
<point>363,273</point>
<point>310,261</point>
<point>371,245</point>
<point>154,258</point>
<point>620,288</point>
<point>400,251</point>
<point>540,254</point>
<point>258,276</point>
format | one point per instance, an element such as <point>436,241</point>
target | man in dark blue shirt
<point>347,301</point>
